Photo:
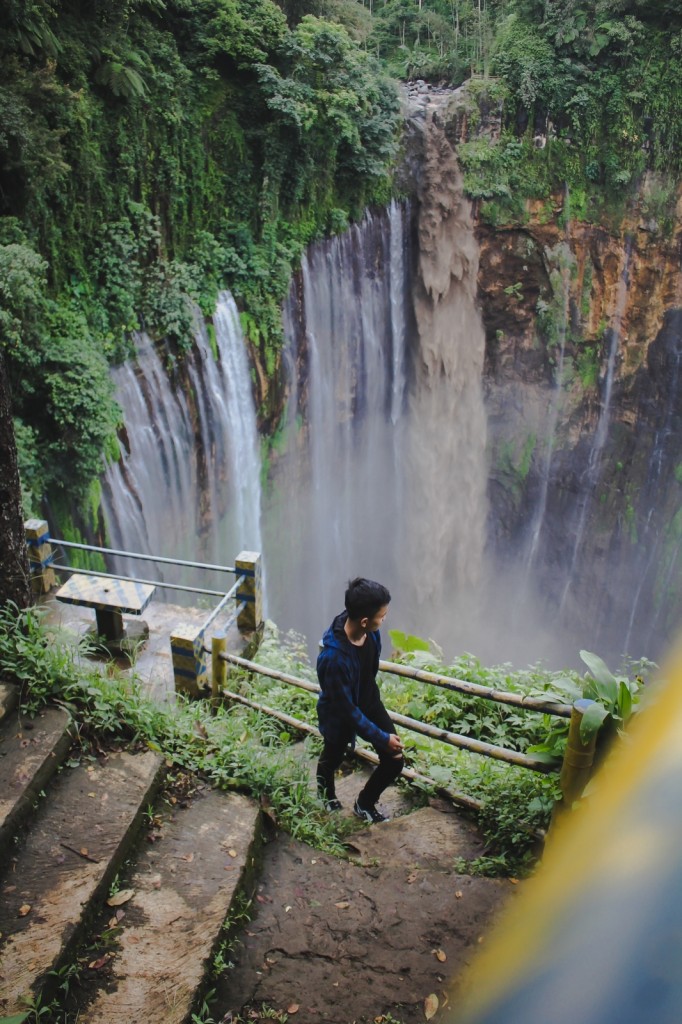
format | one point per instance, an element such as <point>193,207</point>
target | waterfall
<point>331,510</point>
<point>657,553</point>
<point>188,482</point>
<point>383,470</point>
<point>566,261</point>
<point>446,505</point>
<point>601,433</point>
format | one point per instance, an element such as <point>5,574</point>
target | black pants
<point>386,772</point>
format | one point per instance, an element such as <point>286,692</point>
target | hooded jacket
<point>341,700</point>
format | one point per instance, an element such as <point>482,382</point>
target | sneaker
<point>333,805</point>
<point>370,814</point>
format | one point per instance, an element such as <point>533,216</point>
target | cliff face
<point>583,347</point>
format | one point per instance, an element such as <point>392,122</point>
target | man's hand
<point>395,745</point>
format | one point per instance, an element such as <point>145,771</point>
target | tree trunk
<point>14,579</point>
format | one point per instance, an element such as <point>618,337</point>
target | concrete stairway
<point>76,874</point>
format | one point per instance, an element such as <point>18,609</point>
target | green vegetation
<point>152,153</point>
<point>234,747</point>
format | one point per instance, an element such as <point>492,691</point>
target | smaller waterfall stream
<point>601,433</point>
<point>564,276</point>
<point>188,482</point>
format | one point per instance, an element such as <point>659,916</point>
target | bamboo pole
<point>253,666</point>
<point>473,745</point>
<point>575,770</point>
<point>218,664</point>
<point>367,755</point>
<point>578,758</point>
<point>546,707</point>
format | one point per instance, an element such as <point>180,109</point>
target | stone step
<point>67,863</point>
<point>9,698</point>
<point>184,886</point>
<point>31,750</point>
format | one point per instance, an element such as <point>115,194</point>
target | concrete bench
<point>111,599</point>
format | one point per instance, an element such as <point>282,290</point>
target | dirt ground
<point>365,939</point>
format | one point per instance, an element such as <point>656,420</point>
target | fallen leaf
<point>430,1005</point>
<point>294,1008</point>
<point>92,794</point>
<point>232,853</point>
<point>514,881</point>
<point>440,955</point>
<point>342,905</point>
<point>120,897</point>
<point>458,894</point>
<point>287,909</point>
<point>100,962</point>
<point>84,851</point>
<point>313,862</point>
<point>24,909</point>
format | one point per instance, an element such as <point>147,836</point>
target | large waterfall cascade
<point>384,473</point>
<point>446,506</point>
<point>188,483</point>
<point>336,495</point>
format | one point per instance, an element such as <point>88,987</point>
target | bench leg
<point>110,624</point>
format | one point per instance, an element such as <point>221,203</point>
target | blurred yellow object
<point>596,935</point>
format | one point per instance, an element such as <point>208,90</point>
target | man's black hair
<point>364,598</point>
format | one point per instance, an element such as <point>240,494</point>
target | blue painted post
<point>40,556</point>
<point>248,564</point>
<point>190,668</point>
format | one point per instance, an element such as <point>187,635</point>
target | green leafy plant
<point>615,697</point>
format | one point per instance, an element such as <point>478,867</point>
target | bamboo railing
<point>445,736</point>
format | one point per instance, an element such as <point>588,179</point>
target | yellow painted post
<point>248,564</point>
<point>578,760</point>
<point>190,668</point>
<point>219,665</point>
<point>40,556</point>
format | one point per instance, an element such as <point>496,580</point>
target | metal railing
<point>160,559</point>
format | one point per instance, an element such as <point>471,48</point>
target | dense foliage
<point>152,152</point>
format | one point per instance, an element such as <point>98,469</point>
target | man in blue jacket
<point>349,702</point>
